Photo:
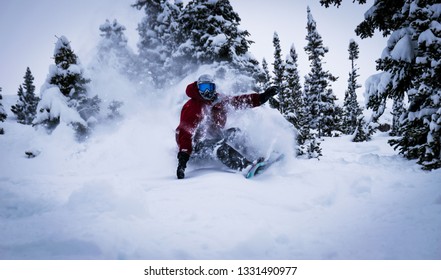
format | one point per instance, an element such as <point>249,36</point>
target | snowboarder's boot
<point>231,158</point>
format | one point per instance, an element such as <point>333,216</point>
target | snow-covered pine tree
<point>210,34</point>
<point>26,107</point>
<point>363,132</point>
<point>397,59</point>
<point>351,109</point>
<point>397,64</point>
<point>159,34</point>
<point>262,79</point>
<point>64,96</point>
<point>293,108</point>
<point>290,98</point>
<point>279,71</point>
<point>376,87</point>
<point>17,109</point>
<point>113,51</point>
<point>319,97</point>
<point>421,125</point>
<point>266,77</point>
<point>412,58</point>
<point>3,114</point>
<point>114,113</point>
<point>398,111</point>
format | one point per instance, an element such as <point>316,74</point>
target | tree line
<point>175,39</point>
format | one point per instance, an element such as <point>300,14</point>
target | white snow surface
<point>116,196</point>
<point>403,50</point>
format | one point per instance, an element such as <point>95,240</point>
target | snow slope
<point>115,196</point>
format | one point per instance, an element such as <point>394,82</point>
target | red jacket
<point>197,110</point>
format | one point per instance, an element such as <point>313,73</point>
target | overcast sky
<point>28,29</point>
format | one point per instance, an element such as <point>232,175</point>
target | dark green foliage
<point>308,144</point>
<point>386,16</point>
<point>279,70</point>
<point>319,97</point>
<point>351,109</point>
<point>177,39</point>
<point>412,59</point>
<point>160,36</point>
<point>202,21</point>
<point>88,107</point>
<point>414,73</point>
<point>113,51</point>
<point>290,99</point>
<point>362,131</point>
<point>26,107</point>
<point>337,3</point>
<point>68,77</point>
<point>398,111</point>
<point>3,114</point>
<point>114,113</point>
<point>266,77</point>
<point>292,107</point>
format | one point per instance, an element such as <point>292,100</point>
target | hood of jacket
<point>192,91</point>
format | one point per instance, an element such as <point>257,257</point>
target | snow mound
<point>116,196</point>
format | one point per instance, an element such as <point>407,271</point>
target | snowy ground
<point>116,197</point>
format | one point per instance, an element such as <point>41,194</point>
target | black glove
<point>269,92</point>
<point>183,158</point>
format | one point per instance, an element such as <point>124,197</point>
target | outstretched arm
<point>253,99</point>
<point>268,93</point>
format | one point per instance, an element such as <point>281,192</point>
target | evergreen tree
<point>3,114</point>
<point>291,103</point>
<point>398,111</point>
<point>114,113</point>
<point>68,75</point>
<point>26,107</point>
<point>113,50</point>
<point>319,97</point>
<point>421,125</point>
<point>211,27</point>
<point>313,149</point>
<point>397,60</point>
<point>363,132</point>
<point>159,35</point>
<point>294,110</point>
<point>262,80</point>
<point>376,87</point>
<point>266,80</point>
<point>279,71</point>
<point>210,34</point>
<point>412,59</point>
<point>351,109</point>
<point>65,94</point>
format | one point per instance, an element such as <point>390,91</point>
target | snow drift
<point>115,196</point>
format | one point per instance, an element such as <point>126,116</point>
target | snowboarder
<point>203,118</point>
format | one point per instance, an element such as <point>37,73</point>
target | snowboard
<point>259,167</point>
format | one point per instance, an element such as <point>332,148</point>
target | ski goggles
<point>207,90</point>
<point>203,87</point>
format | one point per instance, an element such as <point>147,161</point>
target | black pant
<point>220,149</point>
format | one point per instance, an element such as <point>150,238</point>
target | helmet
<point>207,87</point>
